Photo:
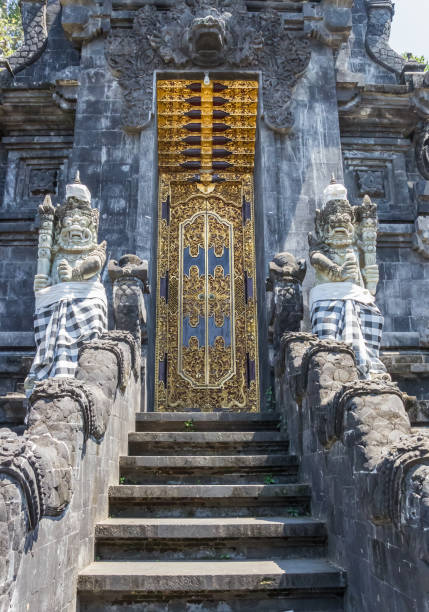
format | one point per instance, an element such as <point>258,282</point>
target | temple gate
<point>206,347</point>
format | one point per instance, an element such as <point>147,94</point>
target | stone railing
<point>54,478</point>
<point>369,471</point>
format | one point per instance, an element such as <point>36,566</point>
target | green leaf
<point>11,32</point>
<point>417,58</point>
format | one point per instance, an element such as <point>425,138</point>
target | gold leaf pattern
<point>209,373</point>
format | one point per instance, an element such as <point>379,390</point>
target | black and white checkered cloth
<point>358,325</point>
<point>60,329</point>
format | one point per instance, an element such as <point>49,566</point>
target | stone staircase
<point>208,515</point>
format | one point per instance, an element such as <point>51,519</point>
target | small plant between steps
<point>189,425</point>
<point>124,480</point>
<point>269,479</point>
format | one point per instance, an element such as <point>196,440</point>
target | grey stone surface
<point>358,448</point>
<point>210,442</point>
<point>179,529</point>
<point>225,469</point>
<point>206,421</point>
<point>294,573</point>
<point>203,491</point>
<point>356,112</point>
<point>372,137</point>
<point>13,409</point>
<point>175,527</point>
<point>61,464</point>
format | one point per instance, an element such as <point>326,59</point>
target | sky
<point>410,27</point>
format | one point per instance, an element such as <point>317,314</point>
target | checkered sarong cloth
<point>358,325</point>
<point>60,329</point>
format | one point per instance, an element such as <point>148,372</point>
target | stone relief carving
<point>421,236</point>
<point>43,181</point>
<point>125,337</point>
<point>343,254</point>
<point>130,282</point>
<point>369,418</point>
<point>422,148</point>
<point>393,501</point>
<point>285,306</point>
<point>321,346</point>
<point>207,34</point>
<point>380,15</point>
<point>35,39</point>
<point>39,467</point>
<point>356,389</point>
<point>371,182</point>
<point>54,389</point>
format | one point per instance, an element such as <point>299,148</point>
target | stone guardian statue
<point>71,304</point>
<point>285,304</point>
<point>343,254</point>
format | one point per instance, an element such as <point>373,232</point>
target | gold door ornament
<point>206,345</point>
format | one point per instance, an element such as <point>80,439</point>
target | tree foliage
<point>11,33</point>
<point>420,59</point>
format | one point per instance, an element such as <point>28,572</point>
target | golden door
<point>206,344</point>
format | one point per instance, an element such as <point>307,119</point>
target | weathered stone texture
<point>368,470</point>
<point>357,111</point>
<point>291,170</point>
<point>74,433</point>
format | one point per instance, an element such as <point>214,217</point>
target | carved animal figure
<point>285,302</point>
<point>130,281</point>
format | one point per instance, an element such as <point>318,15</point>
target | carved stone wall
<point>236,40</point>
<point>370,28</point>
<point>37,106</point>
<point>45,50</point>
<point>368,471</point>
<point>54,476</point>
<point>83,99</point>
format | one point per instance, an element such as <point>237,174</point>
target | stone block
<point>400,339</point>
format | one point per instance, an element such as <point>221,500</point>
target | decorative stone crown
<point>78,191</point>
<point>367,210</point>
<point>334,191</point>
<point>78,200</point>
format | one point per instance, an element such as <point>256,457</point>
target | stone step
<point>207,421</point>
<point>210,538</point>
<point>236,586</point>
<point>13,409</point>
<point>207,443</point>
<point>209,469</point>
<point>209,500</point>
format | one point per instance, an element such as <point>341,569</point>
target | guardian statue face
<point>337,224</point>
<point>77,232</point>
<point>76,223</point>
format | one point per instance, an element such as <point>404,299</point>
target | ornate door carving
<point>206,348</point>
